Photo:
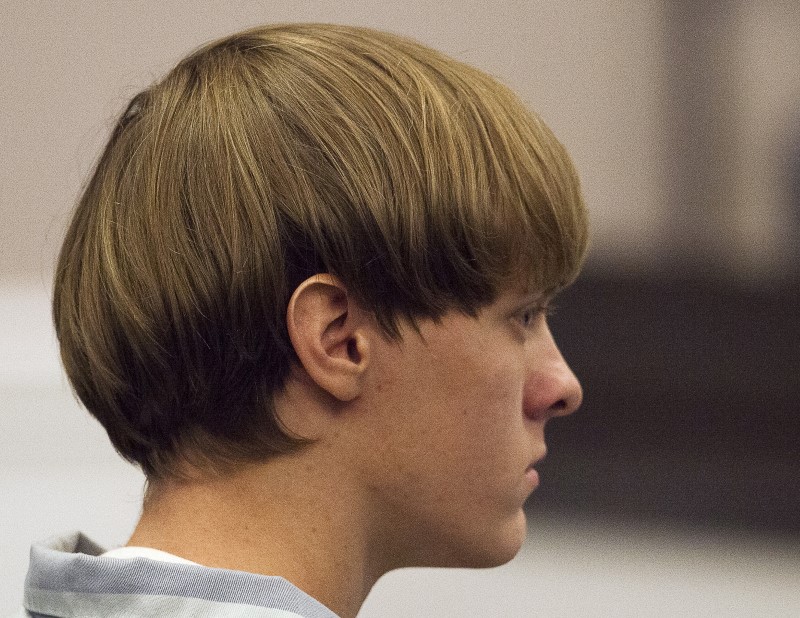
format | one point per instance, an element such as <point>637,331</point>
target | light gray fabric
<point>67,578</point>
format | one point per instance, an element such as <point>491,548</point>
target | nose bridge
<point>572,396</point>
<point>557,391</point>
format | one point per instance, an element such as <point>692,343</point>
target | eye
<point>530,316</point>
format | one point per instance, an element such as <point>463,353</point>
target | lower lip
<point>532,477</point>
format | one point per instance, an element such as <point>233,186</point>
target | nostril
<point>559,405</point>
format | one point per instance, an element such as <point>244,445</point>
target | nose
<point>552,389</point>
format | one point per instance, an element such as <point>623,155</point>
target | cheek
<point>490,429</point>
<point>493,414</point>
<point>457,442</point>
<point>456,412</point>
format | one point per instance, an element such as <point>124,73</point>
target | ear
<point>327,329</point>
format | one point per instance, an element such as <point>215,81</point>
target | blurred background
<point>676,489</point>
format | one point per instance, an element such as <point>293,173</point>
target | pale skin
<point>422,455</point>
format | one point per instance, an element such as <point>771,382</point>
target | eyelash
<point>533,312</point>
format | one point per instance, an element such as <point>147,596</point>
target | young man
<point>305,291</point>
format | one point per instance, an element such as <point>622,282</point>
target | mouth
<point>531,475</point>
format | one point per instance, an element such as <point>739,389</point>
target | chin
<point>492,550</point>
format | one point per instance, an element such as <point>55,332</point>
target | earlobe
<point>326,328</point>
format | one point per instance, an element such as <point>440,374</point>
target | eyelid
<point>548,307</point>
<point>532,312</point>
<point>544,305</point>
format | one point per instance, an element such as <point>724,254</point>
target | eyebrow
<point>540,296</point>
<point>527,299</point>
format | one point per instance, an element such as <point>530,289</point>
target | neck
<point>289,517</point>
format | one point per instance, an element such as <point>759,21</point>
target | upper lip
<point>538,458</point>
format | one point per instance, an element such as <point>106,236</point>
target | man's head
<point>433,435</point>
<point>418,186</point>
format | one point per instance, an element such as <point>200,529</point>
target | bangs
<point>497,200</point>
<point>432,186</point>
<point>525,215</point>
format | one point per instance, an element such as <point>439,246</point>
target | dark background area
<point>691,404</point>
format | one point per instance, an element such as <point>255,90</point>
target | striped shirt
<point>68,577</point>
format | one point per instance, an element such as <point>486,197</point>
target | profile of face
<point>456,422</point>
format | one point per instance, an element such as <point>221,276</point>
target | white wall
<point>765,130</point>
<point>592,69</point>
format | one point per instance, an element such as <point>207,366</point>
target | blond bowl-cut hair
<point>262,159</point>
